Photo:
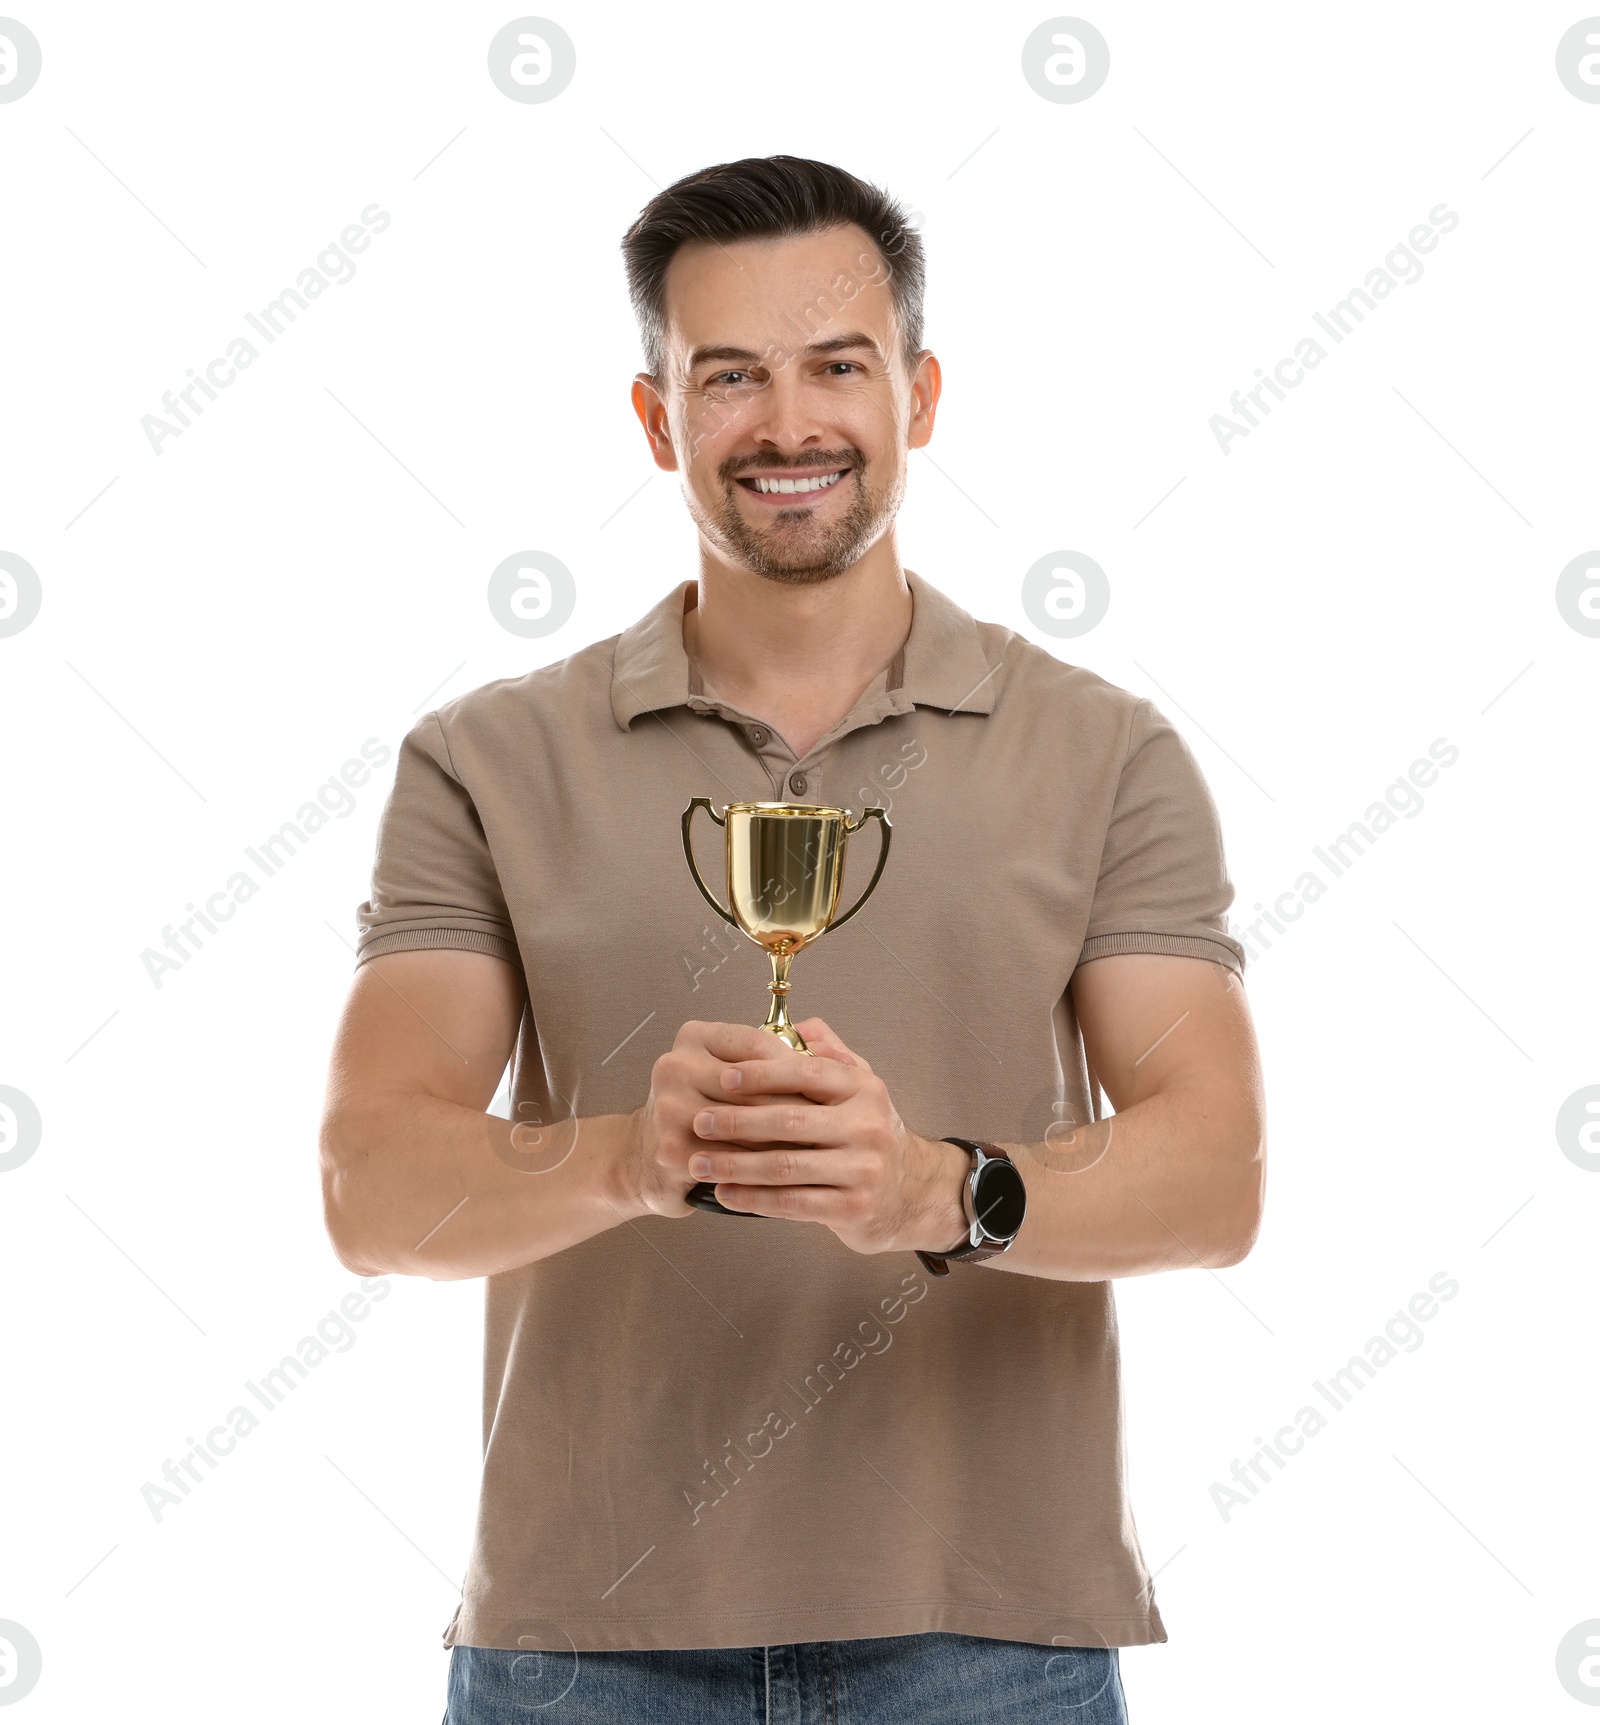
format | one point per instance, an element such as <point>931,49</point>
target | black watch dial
<point>1000,1198</point>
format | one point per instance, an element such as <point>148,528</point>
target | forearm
<point>417,1186</point>
<point>1173,1182</point>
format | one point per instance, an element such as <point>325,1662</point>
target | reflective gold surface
<point>784,863</point>
<point>784,868</point>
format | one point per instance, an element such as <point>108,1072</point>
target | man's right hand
<point>682,1082</point>
<point>419,1180</point>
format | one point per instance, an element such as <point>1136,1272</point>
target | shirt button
<point>758,737</point>
<point>797,784</point>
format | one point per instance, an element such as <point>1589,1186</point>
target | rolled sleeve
<point>434,883</point>
<point>1163,883</point>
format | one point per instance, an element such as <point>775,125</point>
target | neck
<point>798,657</point>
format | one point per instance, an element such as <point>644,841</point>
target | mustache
<point>740,466</point>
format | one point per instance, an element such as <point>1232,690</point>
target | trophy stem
<point>778,1015</point>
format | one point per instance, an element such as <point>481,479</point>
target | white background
<point>1374,567</point>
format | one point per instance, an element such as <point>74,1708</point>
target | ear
<point>926,383</point>
<point>652,412</point>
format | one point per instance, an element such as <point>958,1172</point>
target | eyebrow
<point>833,344</point>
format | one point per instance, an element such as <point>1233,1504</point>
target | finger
<point>771,1123</point>
<point>798,1075</point>
<point>730,1041</point>
<point>794,1165</point>
<point>783,1203</point>
<point>821,1038</point>
<point>696,1050</point>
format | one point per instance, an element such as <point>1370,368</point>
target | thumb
<point>823,1040</point>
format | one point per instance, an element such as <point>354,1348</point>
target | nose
<point>783,415</point>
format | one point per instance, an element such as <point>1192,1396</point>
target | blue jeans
<point>930,1679</point>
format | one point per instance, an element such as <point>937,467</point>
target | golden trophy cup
<point>785,862</point>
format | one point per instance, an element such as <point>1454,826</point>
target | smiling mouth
<point>764,486</point>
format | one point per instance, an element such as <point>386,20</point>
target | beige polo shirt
<point>717,1431</point>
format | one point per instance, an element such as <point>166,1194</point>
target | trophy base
<point>703,1195</point>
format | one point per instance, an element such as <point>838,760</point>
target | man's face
<point>786,402</point>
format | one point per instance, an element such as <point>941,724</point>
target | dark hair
<point>768,197</point>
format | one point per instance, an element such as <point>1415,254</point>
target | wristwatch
<point>995,1201</point>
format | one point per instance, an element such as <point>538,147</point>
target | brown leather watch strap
<point>938,1263</point>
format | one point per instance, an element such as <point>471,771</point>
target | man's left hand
<point>842,1157</point>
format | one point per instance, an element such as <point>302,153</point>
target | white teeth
<point>791,485</point>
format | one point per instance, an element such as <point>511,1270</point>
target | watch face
<point>1001,1199</point>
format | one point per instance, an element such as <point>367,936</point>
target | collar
<point>941,664</point>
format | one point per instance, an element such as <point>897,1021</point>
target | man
<point>789,1463</point>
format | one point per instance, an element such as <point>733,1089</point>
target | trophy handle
<point>694,867</point>
<point>883,857</point>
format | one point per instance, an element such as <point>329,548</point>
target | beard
<point>795,547</point>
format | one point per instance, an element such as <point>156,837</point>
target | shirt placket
<point>792,780</point>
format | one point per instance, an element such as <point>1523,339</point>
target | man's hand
<point>682,1082</point>
<point>819,1140</point>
